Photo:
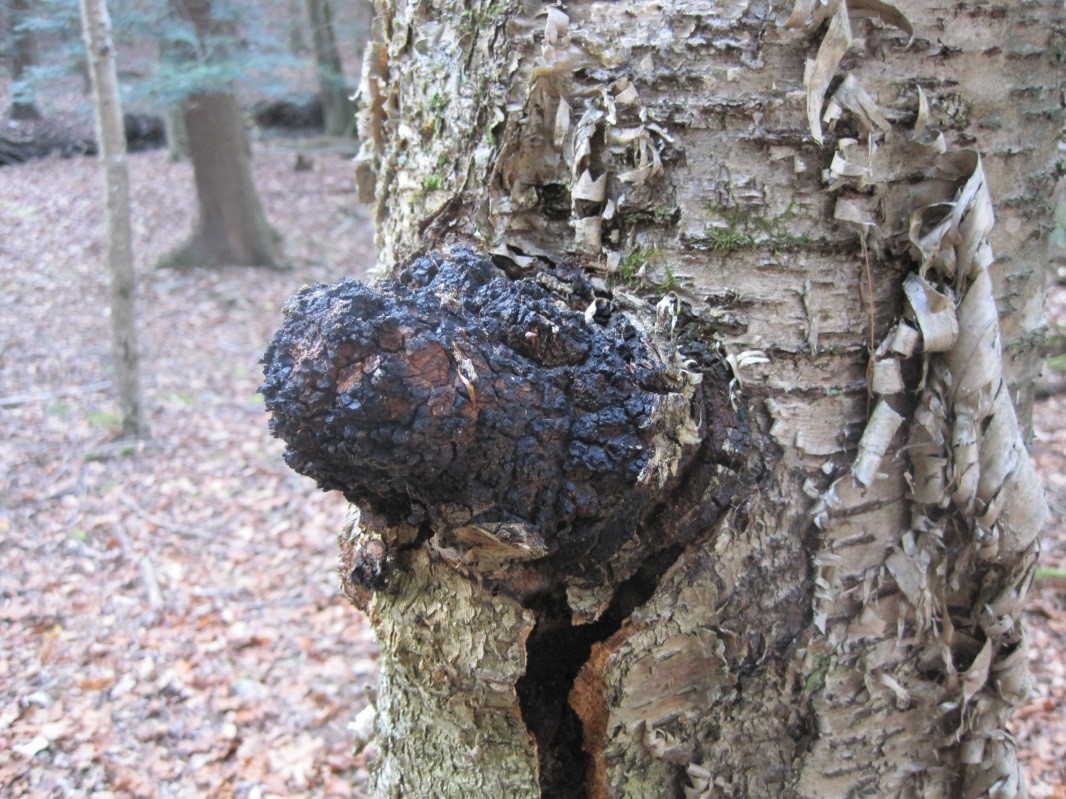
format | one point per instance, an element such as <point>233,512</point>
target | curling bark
<point>817,183</point>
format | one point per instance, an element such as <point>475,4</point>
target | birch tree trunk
<point>816,183</point>
<point>111,135</point>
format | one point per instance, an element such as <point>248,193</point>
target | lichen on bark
<point>451,700</point>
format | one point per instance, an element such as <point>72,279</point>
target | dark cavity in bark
<point>555,652</point>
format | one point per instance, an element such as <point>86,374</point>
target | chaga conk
<point>529,416</point>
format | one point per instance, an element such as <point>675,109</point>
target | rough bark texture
<point>177,136</point>
<point>852,627</point>
<point>110,133</point>
<point>417,690</point>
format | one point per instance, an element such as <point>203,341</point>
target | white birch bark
<point>817,180</point>
<point>111,136</point>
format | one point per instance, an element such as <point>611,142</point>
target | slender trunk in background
<point>176,133</point>
<point>339,109</point>
<point>22,56</point>
<point>296,16</point>
<point>111,135</point>
<point>817,185</point>
<point>363,13</point>
<point>178,50</point>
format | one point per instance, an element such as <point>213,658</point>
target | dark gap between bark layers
<point>555,652</point>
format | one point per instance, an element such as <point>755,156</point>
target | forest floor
<point>170,621</point>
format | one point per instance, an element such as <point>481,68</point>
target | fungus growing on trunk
<point>524,421</point>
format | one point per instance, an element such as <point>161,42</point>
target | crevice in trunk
<point>555,652</point>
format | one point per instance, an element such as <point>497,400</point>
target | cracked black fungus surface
<point>455,395</point>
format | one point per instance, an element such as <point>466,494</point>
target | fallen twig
<point>151,583</point>
<point>179,529</point>
<point>22,399</point>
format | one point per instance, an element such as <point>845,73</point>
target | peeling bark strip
<point>961,570</point>
<point>521,420</point>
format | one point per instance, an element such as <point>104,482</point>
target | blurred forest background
<point>290,61</point>
<point>170,621</point>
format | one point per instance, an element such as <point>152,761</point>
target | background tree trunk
<point>850,627</point>
<point>111,135</point>
<point>22,55</point>
<point>297,13</point>
<point>363,19</point>
<point>339,110</point>
<point>179,51</point>
<point>176,133</point>
<point>232,227</point>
